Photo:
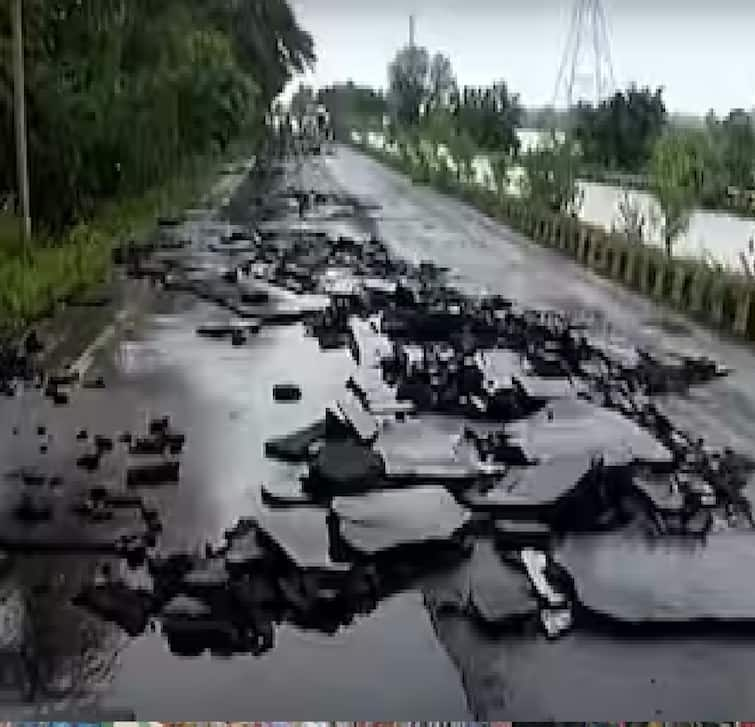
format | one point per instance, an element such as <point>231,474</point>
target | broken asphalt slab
<point>297,446</point>
<point>302,536</point>
<point>389,521</point>
<point>574,426</point>
<point>640,582</point>
<point>483,586</point>
<point>429,446</point>
<point>499,593</point>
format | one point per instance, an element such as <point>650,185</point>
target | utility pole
<point>20,116</point>
<point>411,31</point>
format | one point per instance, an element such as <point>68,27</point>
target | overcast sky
<point>702,52</point>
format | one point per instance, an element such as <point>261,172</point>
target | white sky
<point>701,52</point>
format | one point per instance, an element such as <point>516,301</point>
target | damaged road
<point>311,438</point>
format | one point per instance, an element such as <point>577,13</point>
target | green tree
<point>350,105</point>
<point>550,176</point>
<point>408,81</point>
<point>620,132</point>
<point>491,115</point>
<point>436,129</point>
<point>632,220</point>
<point>269,43</point>
<point>442,82</point>
<point>121,93</point>
<point>500,165</point>
<point>738,153</point>
<point>546,118</point>
<point>679,178</point>
<point>462,149</point>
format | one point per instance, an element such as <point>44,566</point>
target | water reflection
<point>52,650</point>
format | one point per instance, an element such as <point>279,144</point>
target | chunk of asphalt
<point>238,337</point>
<point>175,442</point>
<point>251,594</point>
<point>34,507</point>
<point>64,379</point>
<point>429,447</point>
<point>354,420</point>
<point>103,443</point>
<point>500,594</point>
<point>89,461</point>
<point>60,398</point>
<point>660,491</point>
<point>301,536</point>
<point>245,555</point>
<point>159,425</point>
<point>345,466</point>
<point>296,447</point>
<point>192,637</point>
<point>156,472</point>
<point>285,493</point>
<point>206,578</point>
<point>214,330</point>
<point>535,489</point>
<point>95,383</point>
<point>637,582</point>
<point>386,521</point>
<point>182,606</point>
<point>32,478</point>
<point>154,444</point>
<point>512,534</point>
<point>545,389</point>
<point>573,426</point>
<point>286,392</point>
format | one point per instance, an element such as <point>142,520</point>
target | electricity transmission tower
<point>586,71</point>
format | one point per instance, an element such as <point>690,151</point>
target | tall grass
<point>35,280</point>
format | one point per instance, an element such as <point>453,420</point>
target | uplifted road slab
<point>388,520</point>
<point>672,580</point>
<point>573,426</point>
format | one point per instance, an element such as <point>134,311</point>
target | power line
<point>586,69</point>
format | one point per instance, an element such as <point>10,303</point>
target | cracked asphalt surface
<point>397,661</point>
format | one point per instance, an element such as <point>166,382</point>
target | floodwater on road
<point>401,660</point>
<point>221,398</point>
<point>583,675</point>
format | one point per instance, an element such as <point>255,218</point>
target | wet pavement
<point>671,676</point>
<point>484,254</point>
<point>300,587</point>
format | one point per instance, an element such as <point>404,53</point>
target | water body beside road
<point>721,236</point>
